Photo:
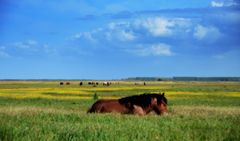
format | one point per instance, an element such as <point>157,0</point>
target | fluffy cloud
<point>153,36</point>
<point>26,48</point>
<point>223,3</point>
<point>134,30</point>
<point>217,4</point>
<point>120,31</point>
<point>153,49</point>
<point>120,35</point>
<point>85,35</point>
<point>156,26</point>
<point>126,36</point>
<point>26,44</point>
<point>115,31</point>
<point>162,27</point>
<point>202,32</point>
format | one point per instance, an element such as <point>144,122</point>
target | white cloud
<point>88,36</point>
<point>156,26</point>
<point>26,45</point>
<point>134,35</point>
<point>84,35</point>
<point>126,36</point>
<point>118,25</point>
<point>160,49</point>
<point>182,22</point>
<point>162,27</point>
<point>223,3</point>
<point>125,31</point>
<point>119,31</point>
<point>200,32</point>
<point>217,4</point>
<point>152,50</point>
<point>120,35</point>
<point>209,33</point>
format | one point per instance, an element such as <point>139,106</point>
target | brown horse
<point>136,104</point>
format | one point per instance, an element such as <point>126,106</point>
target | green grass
<point>207,115</point>
<point>40,124</point>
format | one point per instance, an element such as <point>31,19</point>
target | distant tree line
<point>147,79</point>
<point>183,79</point>
<point>206,78</point>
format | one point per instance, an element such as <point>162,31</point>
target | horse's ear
<point>163,94</point>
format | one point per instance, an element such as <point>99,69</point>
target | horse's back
<point>107,106</point>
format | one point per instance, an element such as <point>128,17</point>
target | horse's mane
<point>143,100</point>
<point>159,97</point>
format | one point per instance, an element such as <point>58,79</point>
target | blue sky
<point>112,39</point>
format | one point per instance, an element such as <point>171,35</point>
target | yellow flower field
<point>51,90</point>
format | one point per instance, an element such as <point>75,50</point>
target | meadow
<point>45,110</point>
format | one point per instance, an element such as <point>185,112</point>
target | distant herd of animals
<point>94,84</point>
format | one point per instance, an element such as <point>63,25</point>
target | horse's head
<point>159,104</point>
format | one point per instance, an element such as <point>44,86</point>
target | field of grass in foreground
<point>42,110</point>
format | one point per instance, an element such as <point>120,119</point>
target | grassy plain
<point>44,110</point>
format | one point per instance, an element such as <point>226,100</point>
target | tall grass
<point>59,125</point>
<point>197,111</point>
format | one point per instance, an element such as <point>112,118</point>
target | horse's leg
<point>138,110</point>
